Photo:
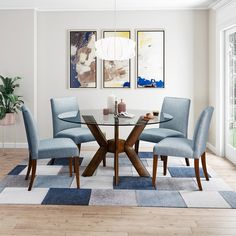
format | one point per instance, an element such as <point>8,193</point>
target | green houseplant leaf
<point>9,101</point>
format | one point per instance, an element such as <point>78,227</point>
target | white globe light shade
<point>115,48</point>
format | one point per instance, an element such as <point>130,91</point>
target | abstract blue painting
<point>150,59</point>
<point>116,74</point>
<point>83,62</point>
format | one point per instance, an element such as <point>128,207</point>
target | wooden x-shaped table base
<point>115,146</point>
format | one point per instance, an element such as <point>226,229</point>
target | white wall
<point>186,60</point>
<point>17,59</point>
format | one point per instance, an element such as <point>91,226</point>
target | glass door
<point>230,94</point>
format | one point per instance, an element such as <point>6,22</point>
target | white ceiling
<point>107,4</point>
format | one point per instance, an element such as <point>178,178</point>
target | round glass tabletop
<point>92,116</point>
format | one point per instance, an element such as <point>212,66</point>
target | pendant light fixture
<point>115,48</point>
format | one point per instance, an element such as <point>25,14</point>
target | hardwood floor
<point>118,221</point>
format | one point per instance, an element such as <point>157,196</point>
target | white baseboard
<point>14,145</point>
<point>232,160</point>
<point>211,147</point>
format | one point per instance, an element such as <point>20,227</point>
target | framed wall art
<point>150,58</point>
<point>83,63</point>
<point>116,74</point>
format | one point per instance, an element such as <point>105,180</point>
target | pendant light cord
<point>115,14</point>
<point>115,25</point>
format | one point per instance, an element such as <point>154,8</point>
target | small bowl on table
<point>156,113</point>
<point>149,116</point>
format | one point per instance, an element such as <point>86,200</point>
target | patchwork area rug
<point>177,189</point>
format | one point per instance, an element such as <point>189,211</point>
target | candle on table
<point>111,103</point>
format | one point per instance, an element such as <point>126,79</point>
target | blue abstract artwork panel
<point>116,74</point>
<point>83,62</point>
<point>150,59</point>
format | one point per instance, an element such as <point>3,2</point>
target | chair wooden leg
<point>70,165</point>
<point>116,167</point>
<point>204,167</point>
<point>187,162</point>
<point>154,170</point>
<point>165,160</point>
<point>76,166</point>
<point>34,164</point>
<point>136,146</point>
<point>29,169</point>
<point>104,161</point>
<point>197,173</point>
<point>79,148</point>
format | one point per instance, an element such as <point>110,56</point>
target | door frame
<point>229,152</point>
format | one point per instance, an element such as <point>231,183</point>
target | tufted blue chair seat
<point>175,147</point>
<point>78,135</point>
<point>155,135</point>
<point>57,148</point>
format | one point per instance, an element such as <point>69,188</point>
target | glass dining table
<point>94,119</point>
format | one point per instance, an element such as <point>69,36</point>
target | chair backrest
<point>31,132</point>
<point>201,131</point>
<point>61,105</point>
<point>179,109</point>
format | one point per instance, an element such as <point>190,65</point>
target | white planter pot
<point>9,119</point>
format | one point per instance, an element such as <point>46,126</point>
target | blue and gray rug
<point>178,188</point>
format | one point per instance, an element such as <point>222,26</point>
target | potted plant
<point>9,102</point>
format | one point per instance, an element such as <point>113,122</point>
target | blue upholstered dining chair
<point>178,127</point>
<point>183,147</point>
<point>47,148</point>
<point>63,129</point>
